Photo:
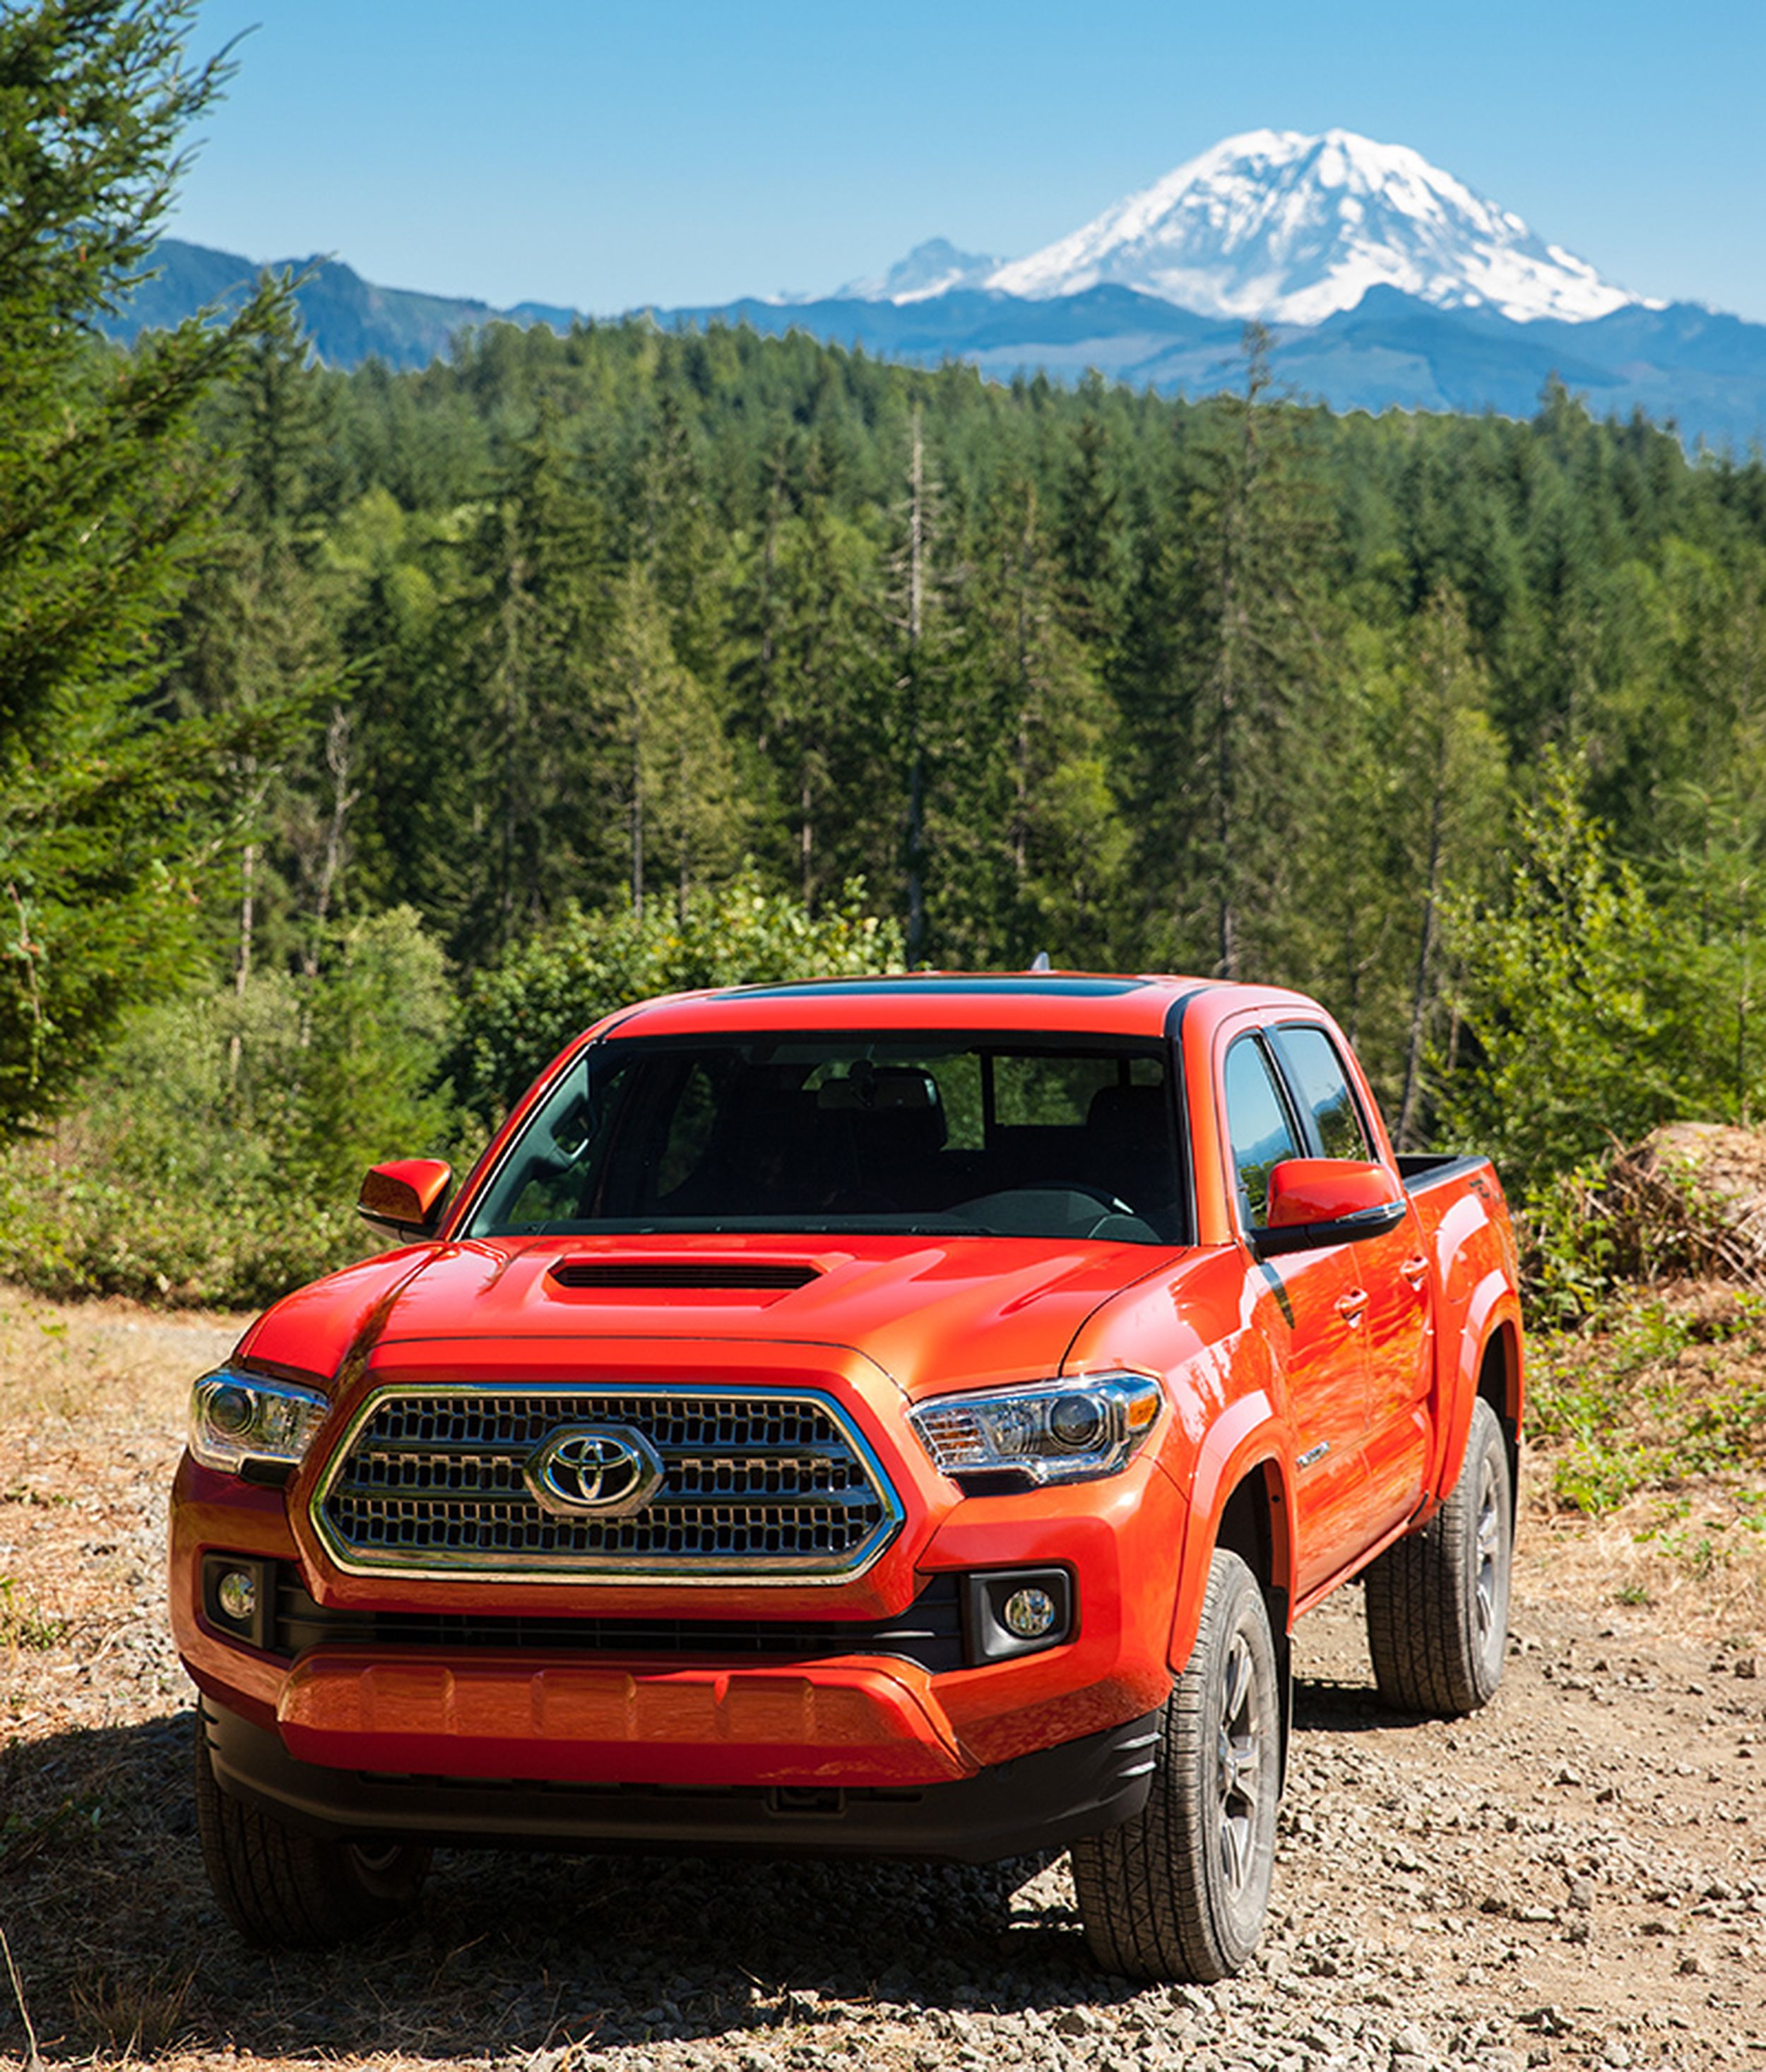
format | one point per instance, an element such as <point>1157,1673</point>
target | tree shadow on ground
<point>1329,1704</point>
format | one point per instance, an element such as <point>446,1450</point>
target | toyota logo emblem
<point>593,1471</point>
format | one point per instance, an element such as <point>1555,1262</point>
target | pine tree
<point>1026,800</point>
<point>530,627</point>
<point>252,637</point>
<point>917,613</point>
<point>111,810</point>
<point>1233,675</point>
<point>673,773</point>
<point>1451,780</point>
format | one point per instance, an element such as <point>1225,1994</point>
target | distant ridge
<point>348,319</point>
<point>1700,372</point>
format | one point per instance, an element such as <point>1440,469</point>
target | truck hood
<point>933,1312</point>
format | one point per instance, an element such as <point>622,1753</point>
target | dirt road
<point>1577,1876</point>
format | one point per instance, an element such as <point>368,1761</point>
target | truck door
<point>1325,1369</point>
<point>1395,1328</point>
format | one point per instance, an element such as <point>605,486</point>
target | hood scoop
<point>773,1276</point>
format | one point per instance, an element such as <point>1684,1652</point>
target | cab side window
<point>1321,1087</point>
<point>1260,1130</point>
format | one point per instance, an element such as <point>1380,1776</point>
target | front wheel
<point>285,1889</point>
<point>1438,1600</point>
<point>1180,1891</point>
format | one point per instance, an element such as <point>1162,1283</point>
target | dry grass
<point>1694,1561</point>
<point>1646,1474</point>
<point>135,2012</point>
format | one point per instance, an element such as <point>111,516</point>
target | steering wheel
<point>1113,1203</point>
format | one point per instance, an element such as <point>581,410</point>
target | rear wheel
<point>286,1889</point>
<point>1180,1891</point>
<point>1438,1600</point>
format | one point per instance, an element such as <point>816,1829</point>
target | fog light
<point>236,1594</point>
<point>1030,1613</point>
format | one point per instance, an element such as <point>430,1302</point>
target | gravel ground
<point>1576,1876</point>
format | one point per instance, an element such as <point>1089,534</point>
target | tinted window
<point>1320,1083</point>
<point>1014,1135</point>
<point>1258,1125</point>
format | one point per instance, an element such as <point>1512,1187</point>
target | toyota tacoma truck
<point>896,1417</point>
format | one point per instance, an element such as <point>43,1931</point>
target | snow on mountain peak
<point>1290,228</point>
<point>934,268</point>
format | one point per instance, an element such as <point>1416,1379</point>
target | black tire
<point>284,1889</point>
<point>1438,1600</point>
<point>1180,1891</point>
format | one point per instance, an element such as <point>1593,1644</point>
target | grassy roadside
<point>1646,1485</point>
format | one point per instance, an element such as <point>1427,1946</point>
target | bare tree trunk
<point>916,809</point>
<point>1419,992</point>
<point>635,687</point>
<point>769,563</point>
<point>247,908</point>
<point>331,868</point>
<point>248,874</point>
<point>515,574</point>
<point>1020,830</point>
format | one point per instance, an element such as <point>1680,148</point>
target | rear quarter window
<point>1321,1089</point>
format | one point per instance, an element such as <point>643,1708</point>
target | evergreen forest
<point>447,708</point>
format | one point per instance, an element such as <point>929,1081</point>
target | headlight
<point>1056,1432</point>
<point>241,1421</point>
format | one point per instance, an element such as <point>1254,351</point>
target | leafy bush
<point>215,1157</point>
<point>1563,996</point>
<point>517,1018</point>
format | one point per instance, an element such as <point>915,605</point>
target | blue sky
<point>605,157</point>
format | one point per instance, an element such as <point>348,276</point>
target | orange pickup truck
<point>896,1417</point>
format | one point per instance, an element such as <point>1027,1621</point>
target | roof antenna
<point>1040,962</point>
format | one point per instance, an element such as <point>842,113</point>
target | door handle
<point>1415,1271</point>
<point>1350,1307</point>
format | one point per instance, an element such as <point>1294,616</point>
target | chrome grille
<point>756,1487</point>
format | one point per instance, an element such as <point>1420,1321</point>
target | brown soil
<point>1577,1876</point>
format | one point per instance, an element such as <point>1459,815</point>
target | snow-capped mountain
<point>1290,229</point>
<point>932,269</point>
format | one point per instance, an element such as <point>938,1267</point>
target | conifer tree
<point>1027,796</point>
<point>111,812</point>
<point>252,637</point>
<point>1239,667</point>
<point>1451,783</point>
<point>672,769</point>
<point>920,637</point>
<point>535,613</point>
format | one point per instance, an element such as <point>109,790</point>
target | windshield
<point>1005,1135</point>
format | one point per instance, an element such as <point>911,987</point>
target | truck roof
<point>1089,1003</point>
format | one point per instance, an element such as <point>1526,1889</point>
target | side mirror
<point>1317,1202</point>
<point>405,1197</point>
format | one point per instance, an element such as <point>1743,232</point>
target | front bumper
<point>1041,1800</point>
<point>392,1674</point>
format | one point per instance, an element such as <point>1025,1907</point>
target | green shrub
<point>215,1157</point>
<point>517,1018</point>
